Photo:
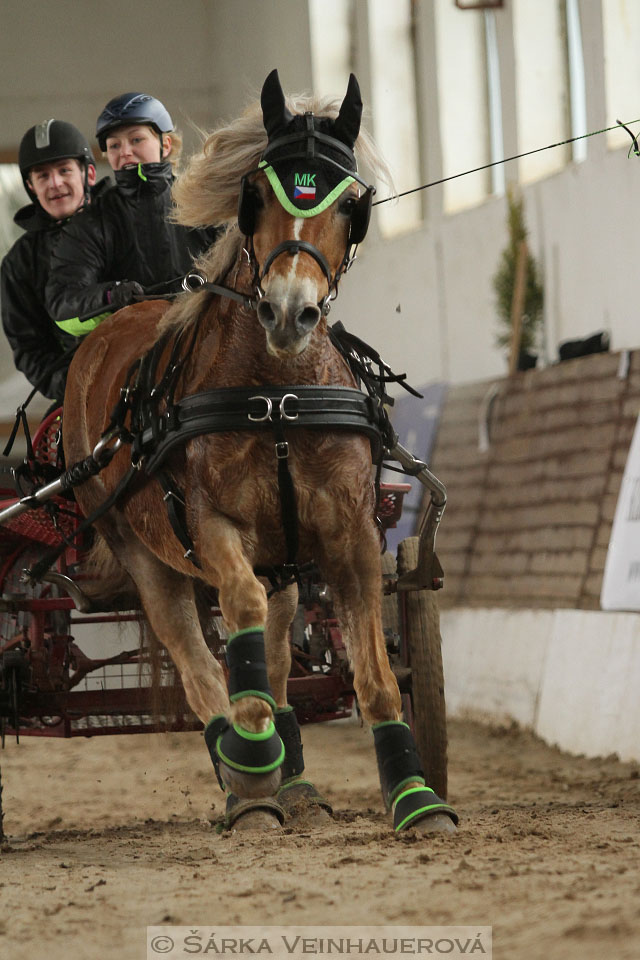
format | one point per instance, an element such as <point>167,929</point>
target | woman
<point>124,245</point>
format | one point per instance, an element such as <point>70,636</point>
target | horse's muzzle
<point>288,326</point>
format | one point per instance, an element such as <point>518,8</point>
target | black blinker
<point>247,208</point>
<point>360,218</point>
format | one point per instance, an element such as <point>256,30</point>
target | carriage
<point>223,453</point>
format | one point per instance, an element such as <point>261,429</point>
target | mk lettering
<point>304,180</point>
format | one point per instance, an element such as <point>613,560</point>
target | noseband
<point>301,246</point>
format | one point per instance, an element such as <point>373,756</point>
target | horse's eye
<point>256,197</point>
<point>347,205</point>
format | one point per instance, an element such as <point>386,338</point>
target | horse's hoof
<point>250,785</point>
<point>304,804</point>
<point>261,813</point>
<point>421,807</point>
<point>436,823</point>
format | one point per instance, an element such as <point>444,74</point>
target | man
<point>59,175</point>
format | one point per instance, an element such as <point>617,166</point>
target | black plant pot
<point>526,360</point>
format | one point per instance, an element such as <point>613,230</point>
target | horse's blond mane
<point>207,192</point>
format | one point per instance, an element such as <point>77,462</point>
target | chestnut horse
<point>303,208</point>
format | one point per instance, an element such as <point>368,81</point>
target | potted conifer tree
<point>523,304</point>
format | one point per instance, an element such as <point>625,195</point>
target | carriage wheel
<point>2,834</point>
<point>419,627</point>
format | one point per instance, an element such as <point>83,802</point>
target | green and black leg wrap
<point>214,729</point>
<point>294,792</point>
<point>247,666</point>
<point>399,765</point>
<point>289,732</point>
<point>242,750</point>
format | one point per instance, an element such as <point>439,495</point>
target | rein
<point>194,281</point>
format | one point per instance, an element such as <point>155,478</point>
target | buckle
<point>192,282</point>
<point>283,413</point>
<point>267,415</point>
<point>282,450</point>
<point>172,495</point>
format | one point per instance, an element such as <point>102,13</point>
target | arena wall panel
<point>529,514</point>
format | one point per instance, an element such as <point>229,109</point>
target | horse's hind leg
<point>169,604</point>
<point>297,795</point>
<point>356,581</point>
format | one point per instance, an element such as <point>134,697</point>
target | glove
<point>124,292</point>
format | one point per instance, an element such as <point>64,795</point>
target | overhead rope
<point>561,143</point>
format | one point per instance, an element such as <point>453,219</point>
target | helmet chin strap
<point>87,189</point>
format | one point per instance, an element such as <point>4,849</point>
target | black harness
<point>260,408</point>
<point>148,417</point>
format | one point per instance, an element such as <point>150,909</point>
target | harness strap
<point>288,503</point>
<point>235,409</point>
<point>177,513</point>
<point>298,246</point>
<point>21,419</point>
<point>359,355</point>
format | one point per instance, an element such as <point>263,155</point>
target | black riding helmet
<point>130,108</point>
<point>50,141</point>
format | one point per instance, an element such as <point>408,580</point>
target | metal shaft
<point>32,501</point>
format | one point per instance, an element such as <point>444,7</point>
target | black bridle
<point>293,247</point>
<point>311,144</point>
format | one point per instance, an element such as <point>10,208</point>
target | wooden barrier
<point>529,517</point>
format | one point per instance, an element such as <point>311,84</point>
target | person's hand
<point>124,292</point>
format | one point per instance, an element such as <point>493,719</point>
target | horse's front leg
<point>244,743</point>
<point>356,581</point>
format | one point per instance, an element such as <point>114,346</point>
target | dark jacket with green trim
<point>125,236</point>
<point>36,343</point>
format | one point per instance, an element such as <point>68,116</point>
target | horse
<point>283,180</point>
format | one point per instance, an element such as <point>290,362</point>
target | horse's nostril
<point>307,319</point>
<point>266,314</point>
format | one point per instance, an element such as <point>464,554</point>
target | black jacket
<point>124,236</point>
<point>35,341</point>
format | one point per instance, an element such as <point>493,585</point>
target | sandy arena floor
<point>109,835</point>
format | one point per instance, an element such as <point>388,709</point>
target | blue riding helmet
<point>130,108</point>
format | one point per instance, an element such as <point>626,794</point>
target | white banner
<point>621,581</point>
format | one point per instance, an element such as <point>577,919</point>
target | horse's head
<point>303,210</point>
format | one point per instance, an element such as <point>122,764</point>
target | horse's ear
<point>347,124</point>
<point>275,114</point>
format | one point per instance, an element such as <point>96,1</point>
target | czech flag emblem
<point>304,193</point>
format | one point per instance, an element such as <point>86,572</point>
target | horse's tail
<point>110,586</point>
<point>106,577</point>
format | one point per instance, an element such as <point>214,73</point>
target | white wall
<point>202,59</point>
<point>571,676</point>
<point>205,58</point>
